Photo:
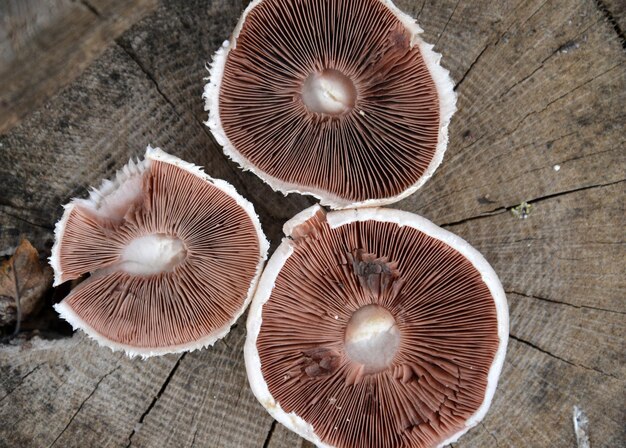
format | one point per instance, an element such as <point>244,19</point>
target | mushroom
<point>337,99</point>
<point>375,328</point>
<point>174,257</point>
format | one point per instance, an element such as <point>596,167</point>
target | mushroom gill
<point>173,255</point>
<point>376,333</point>
<point>334,98</point>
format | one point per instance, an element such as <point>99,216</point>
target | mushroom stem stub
<point>372,338</point>
<point>329,92</point>
<point>152,254</point>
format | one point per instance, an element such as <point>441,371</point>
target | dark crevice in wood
<point>41,226</point>
<point>525,78</point>
<point>520,122</point>
<point>193,439</point>
<point>574,190</point>
<point>131,54</point>
<point>533,14</point>
<point>446,25</point>
<point>515,148</point>
<point>619,147</point>
<point>81,406</point>
<point>508,28</point>
<point>557,302</point>
<point>30,372</point>
<point>530,344</point>
<point>458,84</point>
<point>418,13</point>
<point>156,398</point>
<point>91,8</point>
<point>493,436</point>
<point>22,379</point>
<point>614,23</point>
<point>508,208</point>
<point>270,433</point>
<point>493,212</point>
<point>541,168</point>
<point>569,92</point>
<point>570,45</point>
<point>242,187</point>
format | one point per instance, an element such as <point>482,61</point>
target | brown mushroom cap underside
<point>199,293</point>
<point>445,318</point>
<point>384,133</point>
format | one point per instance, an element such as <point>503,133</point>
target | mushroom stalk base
<point>329,92</point>
<point>372,338</point>
<point>152,254</point>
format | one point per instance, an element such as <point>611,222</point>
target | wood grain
<point>62,44</point>
<point>540,84</point>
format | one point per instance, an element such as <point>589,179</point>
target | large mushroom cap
<point>376,328</point>
<point>174,257</point>
<point>340,99</point>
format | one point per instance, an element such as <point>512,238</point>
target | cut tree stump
<point>86,85</point>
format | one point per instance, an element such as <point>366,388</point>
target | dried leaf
<point>22,276</point>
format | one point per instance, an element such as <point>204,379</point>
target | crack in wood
<point>534,13</point>
<point>508,28</point>
<point>569,92</point>
<point>604,10</point>
<point>458,84</point>
<point>552,355</point>
<point>156,398</point>
<point>493,436</point>
<point>619,147</point>
<point>227,163</point>
<point>504,209</point>
<point>557,302</point>
<point>446,25</point>
<point>193,439</point>
<point>81,406</point>
<point>23,378</point>
<point>463,149</point>
<point>574,190</point>
<point>270,433</point>
<point>30,372</point>
<point>34,224</point>
<point>497,211</point>
<point>570,45</point>
<point>515,148</point>
<point>131,54</point>
<point>546,59</point>
<point>91,8</point>
<point>418,13</point>
<point>525,78</point>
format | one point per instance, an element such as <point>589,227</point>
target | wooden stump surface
<point>85,85</point>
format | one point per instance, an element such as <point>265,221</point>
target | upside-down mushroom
<point>376,328</point>
<point>339,99</point>
<point>173,256</point>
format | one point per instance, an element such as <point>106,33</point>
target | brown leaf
<point>22,276</point>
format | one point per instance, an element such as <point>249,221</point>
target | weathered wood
<point>66,37</point>
<point>540,84</point>
<point>615,12</point>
